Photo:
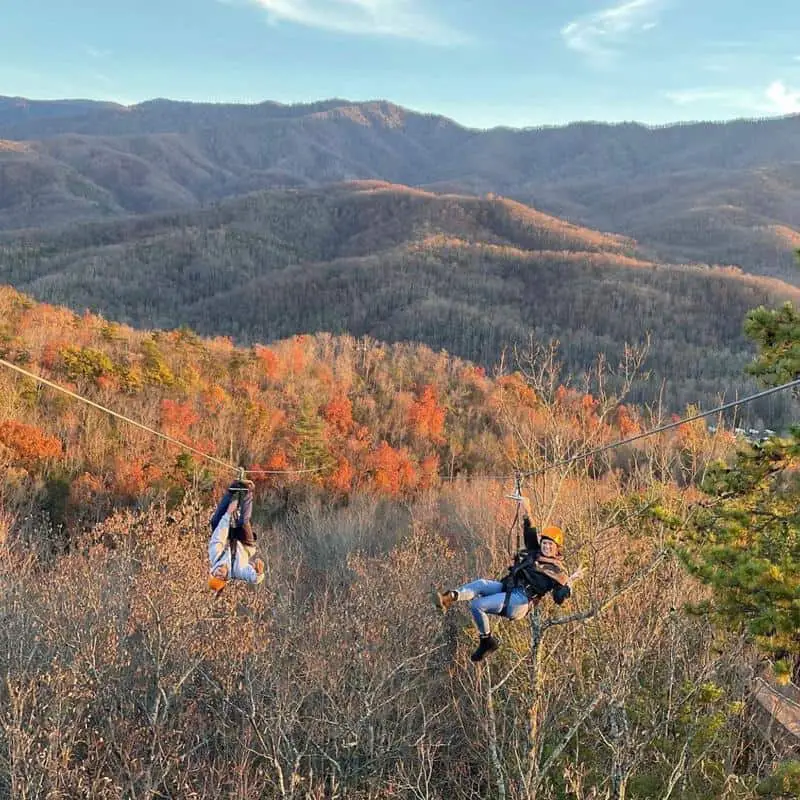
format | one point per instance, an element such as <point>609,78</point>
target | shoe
<point>444,599</point>
<point>488,644</point>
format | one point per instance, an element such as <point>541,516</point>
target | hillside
<point>472,276</point>
<point>711,193</point>
<point>124,677</point>
<point>366,415</point>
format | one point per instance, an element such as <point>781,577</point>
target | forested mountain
<point>470,275</point>
<point>712,193</point>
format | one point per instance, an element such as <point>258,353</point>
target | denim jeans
<point>487,597</point>
<point>219,555</point>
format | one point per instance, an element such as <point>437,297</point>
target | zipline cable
<point>143,427</point>
<point>662,428</point>
<point>528,474</point>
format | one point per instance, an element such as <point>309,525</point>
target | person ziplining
<point>537,570</point>
<point>232,546</point>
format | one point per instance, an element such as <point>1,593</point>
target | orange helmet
<point>216,584</point>
<point>554,533</point>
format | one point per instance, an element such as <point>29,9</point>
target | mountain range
<point>726,193</point>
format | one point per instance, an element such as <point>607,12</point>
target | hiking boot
<point>488,644</point>
<point>444,599</point>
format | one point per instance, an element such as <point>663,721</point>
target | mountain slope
<point>470,275</point>
<point>671,188</point>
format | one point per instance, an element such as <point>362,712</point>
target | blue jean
<point>487,597</point>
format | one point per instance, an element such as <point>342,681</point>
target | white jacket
<point>219,554</point>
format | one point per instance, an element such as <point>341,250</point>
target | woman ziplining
<point>537,570</point>
<point>232,547</point>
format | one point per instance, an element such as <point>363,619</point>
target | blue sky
<point>481,62</point>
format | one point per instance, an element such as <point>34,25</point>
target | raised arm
<point>529,532</point>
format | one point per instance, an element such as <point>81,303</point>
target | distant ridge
<point>724,193</point>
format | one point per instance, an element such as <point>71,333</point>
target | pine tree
<point>313,451</point>
<point>745,543</point>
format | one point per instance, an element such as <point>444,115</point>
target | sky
<point>518,63</point>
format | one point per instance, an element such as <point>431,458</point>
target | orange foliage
<point>515,384</point>
<point>85,489</point>
<point>107,383</point>
<point>50,352</point>
<point>324,374</point>
<point>429,472</point>
<point>29,443</point>
<point>215,399</point>
<point>298,355</point>
<point>393,470</point>
<point>342,478</point>
<point>426,416</point>
<point>339,413</point>
<point>691,435</point>
<point>178,417</point>
<point>133,477</point>
<point>277,461</point>
<point>474,376</point>
<point>626,424</point>
<point>270,362</point>
<point>360,441</point>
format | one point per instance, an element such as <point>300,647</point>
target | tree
<point>777,333</point>
<point>746,543</point>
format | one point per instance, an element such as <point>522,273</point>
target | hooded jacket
<point>535,573</point>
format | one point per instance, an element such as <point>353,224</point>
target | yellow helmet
<point>554,533</point>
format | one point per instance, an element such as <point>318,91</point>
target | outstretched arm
<point>576,576</point>
<point>529,533</point>
<point>248,569</point>
<point>564,592</point>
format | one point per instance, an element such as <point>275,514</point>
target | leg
<point>518,605</point>
<point>219,551</point>
<point>479,588</point>
<point>476,588</point>
<point>481,605</point>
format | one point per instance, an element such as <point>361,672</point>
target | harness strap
<point>506,602</point>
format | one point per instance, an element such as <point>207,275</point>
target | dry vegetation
<point>337,679</point>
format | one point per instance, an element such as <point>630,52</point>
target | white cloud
<point>777,98</point>
<point>730,98</point>
<point>96,52</point>
<point>397,18</point>
<point>601,34</point>
<point>783,99</point>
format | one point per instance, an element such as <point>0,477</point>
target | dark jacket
<point>534,573</point>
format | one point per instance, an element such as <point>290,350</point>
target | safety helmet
<point>216,584</point>
<point>554,533</point>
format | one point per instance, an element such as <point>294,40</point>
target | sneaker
<point>444,599</point>
<point>488,644</point>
